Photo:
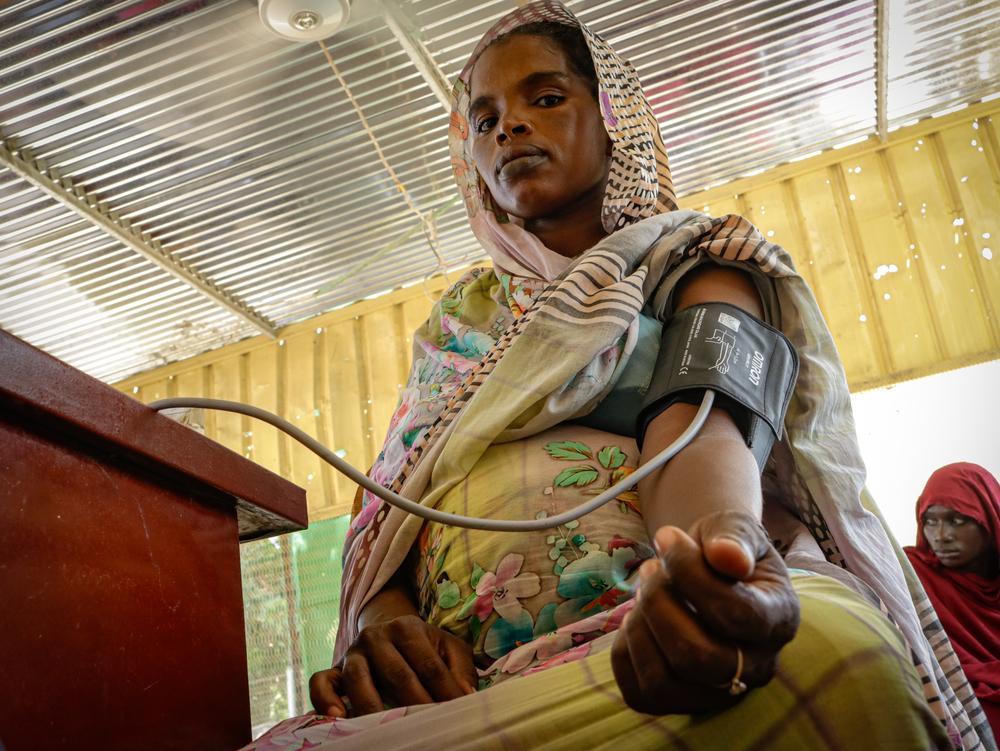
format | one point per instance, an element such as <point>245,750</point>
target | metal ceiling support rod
<point>408,36</point>
<point>882,69</point>
<point>23,162</point>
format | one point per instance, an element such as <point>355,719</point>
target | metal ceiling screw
<point>306,20</point>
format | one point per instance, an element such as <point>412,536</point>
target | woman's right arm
<point>397,658</point>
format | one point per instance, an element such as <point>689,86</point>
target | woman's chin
<point>950,561</point>
<point>526,206</point>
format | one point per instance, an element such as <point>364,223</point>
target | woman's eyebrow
<point>543,76</point>
<point>948,514</point>
<point>532,79</point>
<point>479,102</point>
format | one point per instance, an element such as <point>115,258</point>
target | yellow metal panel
<point>284,467</point>
<point>846,311</point>
<point>969,147</point>
<point>349,423</point>
<point>843,202</point>
<point>301,412</point>
<point>154,390</point>
<point>782,225</point>
<point>225,385</point>
<point>949,182</point>
<point>263,440</point>
<point>187,383</point>
<point>207,389</point>
<point>797,238</point>
<point>243,394</point>
<point>364,364</point>
<point>939,247</point>
<point>323,422</point>
<point>768,208</point>
<point>414,313</point>
<point>720,205</point>
<point>892,284</point>
<point>385,371</point>
<point>765,207</point>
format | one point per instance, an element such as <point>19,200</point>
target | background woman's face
<point>957,541</point>
<point>538,139</point>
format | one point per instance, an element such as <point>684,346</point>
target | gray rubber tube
<point>454,520</point>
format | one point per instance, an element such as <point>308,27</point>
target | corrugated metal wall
<point>897,240</point>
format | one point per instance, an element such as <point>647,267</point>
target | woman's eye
<point>958,520</point>
<point>930,522</point>
<point>485,124</point>
<point>549,100</point>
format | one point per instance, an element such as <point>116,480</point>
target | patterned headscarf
<point>639,183</point>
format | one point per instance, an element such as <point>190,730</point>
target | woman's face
<point>957,541</point>
<point>538,139</point>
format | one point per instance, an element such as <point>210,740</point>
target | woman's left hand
<point>718,588</point>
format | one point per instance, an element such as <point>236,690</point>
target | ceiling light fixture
<point>304,20</point>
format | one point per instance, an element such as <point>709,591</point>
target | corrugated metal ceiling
<point>239,155</point>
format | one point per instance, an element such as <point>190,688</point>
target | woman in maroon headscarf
<point>956,558</point>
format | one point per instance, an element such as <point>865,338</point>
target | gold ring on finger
<point>736,686</point>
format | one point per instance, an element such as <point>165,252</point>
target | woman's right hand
<point>401,661</point>
<point>716,608</point>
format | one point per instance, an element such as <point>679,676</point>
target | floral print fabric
<point>467,320</point>
<point>528,601</point>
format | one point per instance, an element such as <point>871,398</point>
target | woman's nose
<point>510,127</point>
<point>944,532</point>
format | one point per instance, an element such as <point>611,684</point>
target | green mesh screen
<point>291,594</point>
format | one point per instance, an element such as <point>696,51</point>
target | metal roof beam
<point>408,35</point>
<point>22,162</point>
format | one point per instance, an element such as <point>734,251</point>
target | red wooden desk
<point>121,616</point>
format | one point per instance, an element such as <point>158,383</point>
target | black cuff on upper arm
<point>751,366</point>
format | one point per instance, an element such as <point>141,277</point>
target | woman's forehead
<point>940,511</point>
<point>511,60</point>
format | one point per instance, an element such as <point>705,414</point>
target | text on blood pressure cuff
<point>750,365</point>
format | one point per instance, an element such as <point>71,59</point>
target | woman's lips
<point>520,165</point>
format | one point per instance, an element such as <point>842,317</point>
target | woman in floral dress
<point>710,607</point>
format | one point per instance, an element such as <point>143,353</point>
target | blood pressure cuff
<point>751,366</point>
